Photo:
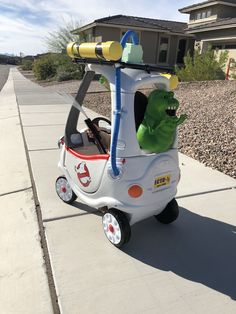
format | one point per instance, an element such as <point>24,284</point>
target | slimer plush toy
<point>157,131</point>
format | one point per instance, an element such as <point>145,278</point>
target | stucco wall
<point>107,33</point>
<point>150,42</point>
<point>214,34</point>
<point>225,11</point>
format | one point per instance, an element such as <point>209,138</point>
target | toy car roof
<point>139,66</point>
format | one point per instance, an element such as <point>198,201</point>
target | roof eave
<point>197,6</point>
<point>94,24</point>
<point>204,5</point>
<point>84,28</point>
<point>212,28</point>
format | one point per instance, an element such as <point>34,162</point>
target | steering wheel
<point>98,119</point>
<point>96,137</point>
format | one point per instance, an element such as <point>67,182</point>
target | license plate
<point>162,181</point>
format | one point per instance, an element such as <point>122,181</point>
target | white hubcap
<point>63,189</point>
<point>111,228</point>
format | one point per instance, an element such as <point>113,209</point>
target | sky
<point>24,24</point>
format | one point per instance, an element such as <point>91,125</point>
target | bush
<point>58,67</point>
<point>203,67</point>
<point>66,76</point>
<point>67,70</point>
<point>44,67</point>
<point>27,65</point>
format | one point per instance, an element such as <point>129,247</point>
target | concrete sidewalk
<point>188,267</point>
<point>23,280</point>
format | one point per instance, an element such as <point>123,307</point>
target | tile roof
<point>220,22</point>
<point>142,22</point>
<point>205,2</point>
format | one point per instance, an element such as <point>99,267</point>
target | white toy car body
<point>146,183</point>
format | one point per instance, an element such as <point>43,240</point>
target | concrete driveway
<point>187,267</point>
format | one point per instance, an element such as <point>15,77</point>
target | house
<point>165,43</point>
<point>213,23</point>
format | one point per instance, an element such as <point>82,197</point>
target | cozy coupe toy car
<point>128,181</point>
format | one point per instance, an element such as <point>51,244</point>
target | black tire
<point>170,213</point>
<point>118,222</point>
<point>68,196</point>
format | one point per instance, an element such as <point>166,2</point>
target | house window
<point>217,47</point>
<point>203,14</point>
<point>164,45</point>
<point>98,39</point>
<point>208,14</point>
<point>199,15</point>
<point>230,46</point>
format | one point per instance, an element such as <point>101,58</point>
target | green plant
<point>66,76</point>
<point>203,66</point>
<point>44,67</point>
<point>27,65</point>
<point>104,81</point>
<point>66,69</point>
<point>233,70</point>
<point>58,39</point>
<point>57,66</point>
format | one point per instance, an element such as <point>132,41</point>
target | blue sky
<point>25,23</point>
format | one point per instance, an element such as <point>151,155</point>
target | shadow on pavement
<point>86,208</point>
<point>196,248</point>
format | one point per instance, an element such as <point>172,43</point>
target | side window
<point>199,15</point>
<point>208,13</point>
<point>163,49</point>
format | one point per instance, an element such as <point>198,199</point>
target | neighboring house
<point>164,43</point>
<point>213,23</point>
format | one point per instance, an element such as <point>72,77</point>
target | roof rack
<point>145,67</point>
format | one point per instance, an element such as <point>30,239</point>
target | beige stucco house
<point>213,22</point>
<point>165,43</point>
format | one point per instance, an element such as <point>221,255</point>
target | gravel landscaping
<point>209,134</point>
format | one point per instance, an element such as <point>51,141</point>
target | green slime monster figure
<point>156,134</point>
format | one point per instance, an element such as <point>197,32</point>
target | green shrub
<point>27,65</point>
<point>57,67</point>
<point>66,76</point>
<point>44,68</point>
<point>203,67</point>
<point>67,70</point>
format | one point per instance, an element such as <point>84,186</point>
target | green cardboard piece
<point>132,54</point>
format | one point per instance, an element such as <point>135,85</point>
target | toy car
<point>127,183</point>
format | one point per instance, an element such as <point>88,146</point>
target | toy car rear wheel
<point>116,227</point>
<point>64,190</point>
<point>170,213</point>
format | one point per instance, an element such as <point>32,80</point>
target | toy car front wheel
<point>170,213</point>
<point>64,190</point>
<point>116,227</point>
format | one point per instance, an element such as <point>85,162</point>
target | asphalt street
<point>4,71</point>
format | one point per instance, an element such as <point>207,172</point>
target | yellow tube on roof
<point>109,51</point>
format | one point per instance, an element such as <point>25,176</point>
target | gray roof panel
<point>193,6</point>
<point>218,23</point>
<point>143,22</point>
